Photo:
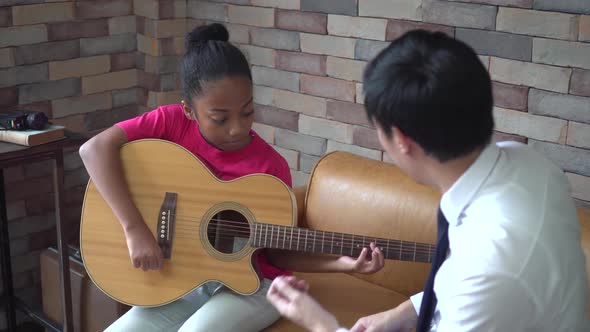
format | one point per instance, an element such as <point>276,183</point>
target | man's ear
<point>403,142</point>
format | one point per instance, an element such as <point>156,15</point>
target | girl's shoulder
<point>171,110</point>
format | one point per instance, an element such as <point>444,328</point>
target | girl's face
<point>225,112</point>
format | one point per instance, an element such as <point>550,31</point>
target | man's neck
<point>444,175</point>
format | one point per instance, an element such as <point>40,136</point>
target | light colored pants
<point>224,311</point>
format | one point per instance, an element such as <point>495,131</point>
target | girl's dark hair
<point>209,56</point>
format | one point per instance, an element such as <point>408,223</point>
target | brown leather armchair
<point>351,194</point>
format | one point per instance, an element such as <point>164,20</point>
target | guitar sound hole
<point>228,231</point>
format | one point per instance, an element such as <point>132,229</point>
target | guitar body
<point>153,168</point>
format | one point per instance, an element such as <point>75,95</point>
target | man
<point>508,252</point>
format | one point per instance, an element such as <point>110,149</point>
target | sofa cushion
<point>347,297</point>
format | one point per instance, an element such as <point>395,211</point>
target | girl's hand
<point>289,296</point>
<point>144,251</point>
<point>365,265</point>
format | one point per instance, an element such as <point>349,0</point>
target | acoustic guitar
<point>208,229</point>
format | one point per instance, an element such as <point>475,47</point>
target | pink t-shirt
<point>169,123</point>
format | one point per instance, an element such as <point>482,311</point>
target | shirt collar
<point>456,199</point>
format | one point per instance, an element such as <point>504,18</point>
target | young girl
<point>214,122</point>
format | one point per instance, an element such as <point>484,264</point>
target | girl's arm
<point>304,262</point>
<point>101,157</point>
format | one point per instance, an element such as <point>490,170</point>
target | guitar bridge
<point>165,225</point>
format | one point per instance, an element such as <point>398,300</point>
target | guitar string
<point>345,247</point>
<point>356,239</point>
<point>405,246</point>
<point>246,227</point>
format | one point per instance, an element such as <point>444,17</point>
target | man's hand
<point>289,296</point>
<point>364,264</point>
<point>400,319</point>
<point>143,248</point>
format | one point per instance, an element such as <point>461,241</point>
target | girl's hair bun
<point>204,33</point>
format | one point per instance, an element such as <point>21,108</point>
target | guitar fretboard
<point>307,240</point>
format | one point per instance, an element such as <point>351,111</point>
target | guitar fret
<point>298,237</point>
<point>291,239</point>
<point>271,231</point>
<point>400,249</point>
<point>313,243</point>
<point>323,236</point>
<point>265,234</point>
<point>387,249</point>
<point>414,252</point>
<point>332,244</point>
<point>305,246</point>
<point>341,241</point>
<point>284,237</point>
<point>352,245</point>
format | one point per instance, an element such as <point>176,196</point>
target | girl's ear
<point>187,110</point>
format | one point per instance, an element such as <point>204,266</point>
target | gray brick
<point>23,35</point>
<point>508,3</point>
<point>107,45</point>
<point>295,141</point>
<point>344,7</point>
<point>23,75</point>
<point>208,11</point>
<point>567,6</point>
<point>48,90</point>
<point>537,23</point>
<point>61,50</point>
<point>169,82</point>
<point>307,162</point>
<point>561,53</point>
<point>459,14</point>
<point>367,49</point>
<point>499,44</point>
<point>568,158</point>
<point>398,9</point>
<point>83,104</point>
<point>275,78</point>
<point>277,39</point>
<point>235,2</point>
<point>162,64</point>
<point>125,97</point>
<point>559,105</point>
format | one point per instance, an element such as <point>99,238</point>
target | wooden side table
<point>14,155</point>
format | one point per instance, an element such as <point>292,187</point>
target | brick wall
<point>76,61</point>
<point>308,57</point>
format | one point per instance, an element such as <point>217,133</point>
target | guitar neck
<point>313,241</point>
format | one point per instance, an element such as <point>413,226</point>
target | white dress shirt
<point>515,260</point>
